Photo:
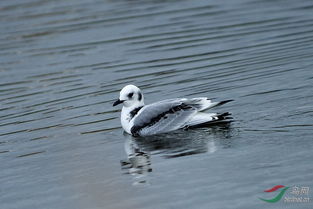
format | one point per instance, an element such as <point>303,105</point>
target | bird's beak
<point>118,102</point>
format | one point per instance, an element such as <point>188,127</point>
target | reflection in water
<point>175,144</point>
<point>137,162</point>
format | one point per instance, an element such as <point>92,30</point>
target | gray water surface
<point>63,64</point>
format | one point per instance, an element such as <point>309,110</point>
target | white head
<point>130,96</point>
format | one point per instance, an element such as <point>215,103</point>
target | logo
<point>278,196</point>
<point>299,194</point>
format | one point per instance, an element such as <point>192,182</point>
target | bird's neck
<point>129,109</point>
<point>128,113</point>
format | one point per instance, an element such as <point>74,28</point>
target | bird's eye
<point>130,95</point>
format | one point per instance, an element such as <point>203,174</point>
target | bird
<point>164,116</point>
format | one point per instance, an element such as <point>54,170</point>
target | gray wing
<point>162,117</point>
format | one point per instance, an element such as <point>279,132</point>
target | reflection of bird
<point>164,116</point>
<point>137,160</point>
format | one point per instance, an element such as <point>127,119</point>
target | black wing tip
<point>224,102</point>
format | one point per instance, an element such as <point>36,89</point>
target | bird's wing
<point>162,117</point>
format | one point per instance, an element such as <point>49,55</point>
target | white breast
<point>125,119</point>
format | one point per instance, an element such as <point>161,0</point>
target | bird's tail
<point>208,118</point>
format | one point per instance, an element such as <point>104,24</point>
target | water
<point>64,62</point>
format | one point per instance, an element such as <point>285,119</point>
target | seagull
<point>164,116</point>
